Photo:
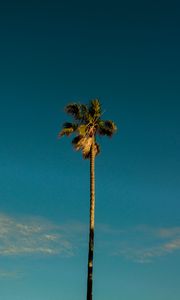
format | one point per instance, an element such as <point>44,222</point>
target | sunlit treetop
<point>87,125</point>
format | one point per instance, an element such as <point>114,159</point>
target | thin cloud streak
<point>19,236</point>
<point>38,236</point>
<point>143,244</point>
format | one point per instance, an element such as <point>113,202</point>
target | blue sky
<point>127,54</point>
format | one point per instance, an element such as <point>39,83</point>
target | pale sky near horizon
<point>127,54</point>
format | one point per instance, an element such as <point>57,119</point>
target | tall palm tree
<point>87,125</point>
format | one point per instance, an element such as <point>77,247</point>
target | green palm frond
<point>68,128</point>
<point>107,127</point>
<point>74,109</point>
<point>69,125</point>
<point>95,108</point>
<point>111,125</point>
<point>84,113</point>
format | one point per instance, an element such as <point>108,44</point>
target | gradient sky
<point>127,54</point>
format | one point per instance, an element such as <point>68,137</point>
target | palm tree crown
<point>86,126</point>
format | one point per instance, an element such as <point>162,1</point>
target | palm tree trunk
<point>91,224</point>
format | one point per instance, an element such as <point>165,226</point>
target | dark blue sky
<point>127,54</point>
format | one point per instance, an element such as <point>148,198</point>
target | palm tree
<point>87,125</point>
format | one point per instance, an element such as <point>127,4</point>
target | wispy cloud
<point>143,244</point>
<point>39,236</point>
<point>25,236</point>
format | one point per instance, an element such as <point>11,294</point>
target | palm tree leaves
<point>97,149</point>
<point>84,143</point>
<point>68,128</point>
<point>95,108</point>
<point>74,110</point>
<point>87,124</point>
<point>84,113</point>
<point>79,112</point>
<point>87,154</point>
<point>107,127</point>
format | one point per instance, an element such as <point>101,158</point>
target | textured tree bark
<point>91,224</point>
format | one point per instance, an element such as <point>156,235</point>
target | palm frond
<point>77,142</point>
<point>96,151</point>
<point>65,131</point>
<point>107,127</point>
<point>86,147</point>
<point>111,125</point>
<point>84,113</point>
<point>95,108</point>
<point>68,128</point>
<point>74,110</point>
<point>82,143</point>
<point>70,125</point>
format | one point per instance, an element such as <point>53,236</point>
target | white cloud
<point>25,236</point>
<point>143,244</point>
<point>38,236</point>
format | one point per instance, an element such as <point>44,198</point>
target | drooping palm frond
<point>76,141</point>
<point>87,147</point>
<point>74,110</point>
<point>107,127</point>
<point>68,128</point>
<point>82,143</point>
<point>96,151</point>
